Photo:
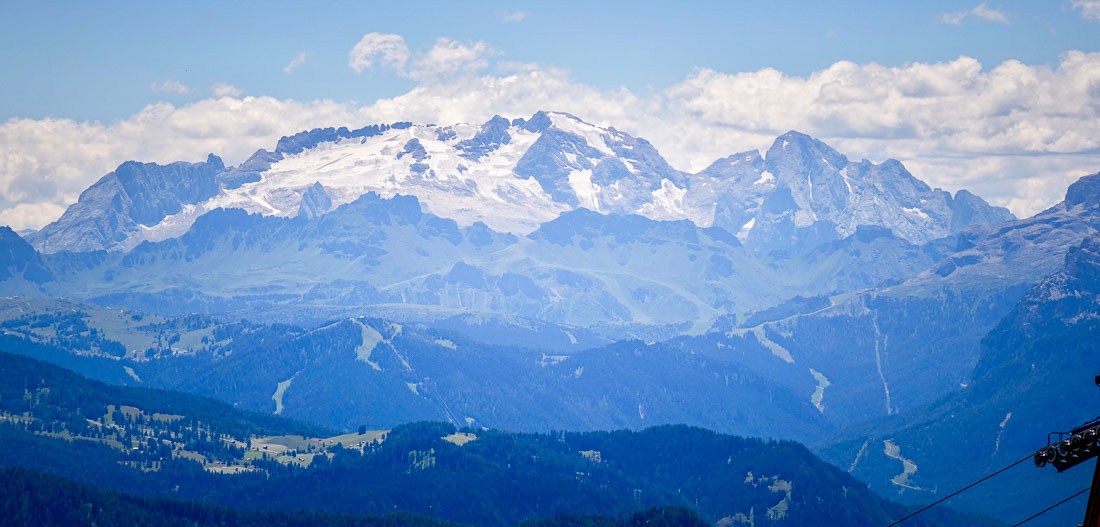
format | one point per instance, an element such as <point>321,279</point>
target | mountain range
<point>548,218</point>
<point>516,175</point>
<point>546,273</point>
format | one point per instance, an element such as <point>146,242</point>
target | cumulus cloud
<point>222,89</point>
<point>521,90</point>
<point>30,216</point>
<point>170,86</point>
<point>990,14</point>
<point>956,106</point>
<point>298,60</point>
<point>446,58</point>
<point>1090,9</point>
<point>384,48</point>
<point>515,16</point>
<point>980,11</point>
<point>450,57</point>
<point>1013,133</point>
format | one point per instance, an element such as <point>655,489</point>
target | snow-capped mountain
<point>514,176</point>
<point>803,191</point>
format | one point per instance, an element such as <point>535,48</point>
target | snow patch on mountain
<point>818,396</point>
<point>765,178</point>
<point>447,183</point>
<point>908,467</point>
<point>592,135</point>
<point>587,192</point>
<point>743,232</point>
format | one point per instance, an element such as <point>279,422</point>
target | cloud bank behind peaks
<point>1014,133</point>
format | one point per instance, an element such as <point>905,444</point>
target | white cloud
<point>1090,9</point>
<point>955,18</point>
<point>30,215</point>
<point>521,91</point>
<point>450,57</point>
<point>445,59</point>
<point>1013,133</point>
<point>981,11</point>
<point>515,16</point>
<point>385,48</point>
<point>990,14</point>
<point>298,60</point>
<point>169,86</point>
<point>222,89</point>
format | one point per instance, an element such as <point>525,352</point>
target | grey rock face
<point>19,259</point>
<point>624,171</point>
<point>1022,250</point>
<point>493,134</point>
<point>134,195</point>
<point>1084,192</point>
<point>315,202</point>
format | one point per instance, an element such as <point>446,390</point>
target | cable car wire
<point>957,492</point>
<point>1048,509</point>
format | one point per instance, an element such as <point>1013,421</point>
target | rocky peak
<point>1084,192</point>
<point>538,122</point>
<point>18,258</point>
<point>1083,262</point>
<point>315,201</point>
<point>968,209</point>
<point>134,195</point>
<point>795,152</point>
<point>492,135</point>
<point>736,167</point>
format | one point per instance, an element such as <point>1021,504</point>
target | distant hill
<point>375,372</point>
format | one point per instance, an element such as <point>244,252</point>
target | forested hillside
<point>151,442</point>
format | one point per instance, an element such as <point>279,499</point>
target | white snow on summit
<point>430,162</point>
<point>447,185</point>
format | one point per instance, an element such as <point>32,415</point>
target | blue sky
<point>998,97</point>
<point>84,60</point>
